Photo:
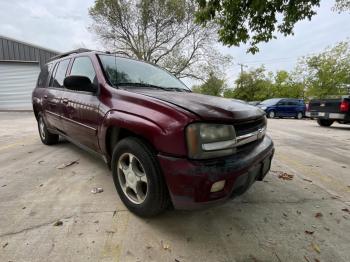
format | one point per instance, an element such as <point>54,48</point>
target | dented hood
<point>207,107</point>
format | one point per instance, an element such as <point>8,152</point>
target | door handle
<point>65,101</point>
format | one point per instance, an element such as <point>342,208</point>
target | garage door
<point>17,81</point>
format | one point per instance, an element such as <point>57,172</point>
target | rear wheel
<point>46,137</point>
<point>138,179</point>
<point>325,122</point>
<point>271,114</point>
<point>299,115</point>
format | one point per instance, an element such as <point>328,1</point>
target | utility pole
<point>241,65</point>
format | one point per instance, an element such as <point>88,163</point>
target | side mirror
<point>79,83</point>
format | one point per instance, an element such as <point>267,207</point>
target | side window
<point>282,103</point>
<point>44,74</point>
<point>82,66</point>
<point>53,74</point>
<point>60,73</point>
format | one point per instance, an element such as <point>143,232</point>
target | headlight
<point>263,107</point>
<point>210,140</point>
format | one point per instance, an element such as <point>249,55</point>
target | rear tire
<point>150,189</point>
<point>46,137</point>
<point>271,114</point>
<point>299,115</point>
<point>325,122</point>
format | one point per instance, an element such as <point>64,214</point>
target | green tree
<point>213,86</point>
<point>327,73</point>
<point>254,21</point>
<point>285,85</point>
<point>254,84</point>
<point>159,31</point>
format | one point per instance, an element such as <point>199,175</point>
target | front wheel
<point>138,179</point>
<point>271,114</point>
<point>46,137</point>
<point>325,122</point>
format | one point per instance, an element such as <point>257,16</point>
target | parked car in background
<point>283,107</point>
<point>328,111</point>
<point>164,144</point>
<point>254,103</point>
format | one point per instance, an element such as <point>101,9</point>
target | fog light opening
<point>217,186</point>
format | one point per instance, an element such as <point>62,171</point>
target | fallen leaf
<point>285,215</point>
<point>305,257</point>
<point>285,176</point>
<point>165,246</point>
<point>5,245</point>
<point>318,215</point>
<point>307,180</point>
<point>148,247</point>
<point>3,185</point>
<point>309,232</point>
<point>316,247</point>
<point>68,164</point>
<point>346,210</point>
<point>326,228</point>
<point>316,260</point>
<point>58,223</point>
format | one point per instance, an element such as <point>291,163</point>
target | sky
<point>63,25</point>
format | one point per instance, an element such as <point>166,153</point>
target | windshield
<point>270,102</point>
<point>124,71</point>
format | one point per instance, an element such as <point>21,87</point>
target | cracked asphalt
<point>306,218</point>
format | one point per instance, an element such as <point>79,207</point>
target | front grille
<point>249,126</point>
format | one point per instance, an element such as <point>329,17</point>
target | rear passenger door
<point>81,116</point>
<point>52,98</point>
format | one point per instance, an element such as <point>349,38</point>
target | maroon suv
<point>165,145</point>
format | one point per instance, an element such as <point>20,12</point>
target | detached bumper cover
<point>189,181</point>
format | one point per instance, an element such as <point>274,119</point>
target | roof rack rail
<point>75,51</point>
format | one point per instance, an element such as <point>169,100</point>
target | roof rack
<point>75,51</point>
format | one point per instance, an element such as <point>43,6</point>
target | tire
<point>299,115</point>
<point>325,122</point>
<point>271,114</point>
<point>46,137</point>
<point>132,160</point>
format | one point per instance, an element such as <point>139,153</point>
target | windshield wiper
<point>141,85</point>
<point>153,86</point>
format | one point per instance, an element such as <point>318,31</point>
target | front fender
<point>165,140</point>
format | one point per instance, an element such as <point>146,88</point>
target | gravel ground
<point>50,214</point>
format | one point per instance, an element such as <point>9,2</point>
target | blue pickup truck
<point>283,107</point>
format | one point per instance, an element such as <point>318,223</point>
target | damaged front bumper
<point>190,181</point>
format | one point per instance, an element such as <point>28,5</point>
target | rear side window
<point>82,66</point>
<point>44,74</point>
<point>59,74</point>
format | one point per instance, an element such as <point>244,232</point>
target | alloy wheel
<point>42,128</point>
<point>132,178</point>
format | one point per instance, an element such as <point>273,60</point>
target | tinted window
<point>82,66</point>
<point>270,102</point>
<point>60,73</point>
<point>283,103</point>
<point>292,103</point>
<point>44,74</point>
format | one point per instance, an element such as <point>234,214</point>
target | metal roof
<point>16,50</point>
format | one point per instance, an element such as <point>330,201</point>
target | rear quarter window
<point>43,76</point>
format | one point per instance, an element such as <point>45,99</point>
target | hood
<point>207,107</point>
